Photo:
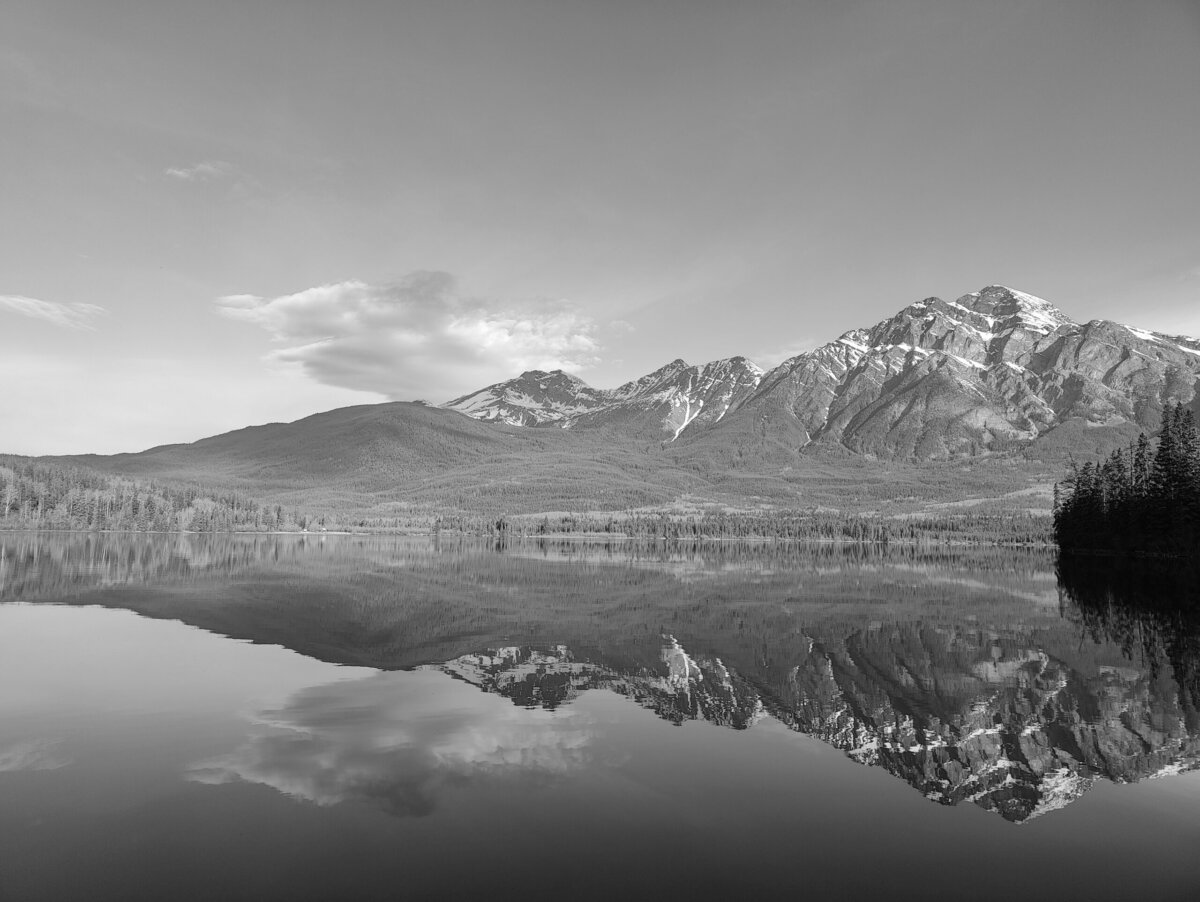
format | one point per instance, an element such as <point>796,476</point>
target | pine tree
<point>1189,445</point>
<point>1136,500</point>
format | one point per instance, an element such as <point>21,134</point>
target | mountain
<point>659,405</point>
<point>376,440</point>
<point>389,460</point>
<point>995,370</point>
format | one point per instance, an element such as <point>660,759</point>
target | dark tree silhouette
<point>1138,501</point>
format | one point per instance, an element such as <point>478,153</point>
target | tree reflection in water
<point>1149,608</point>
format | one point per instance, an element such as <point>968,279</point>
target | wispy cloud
<point>41,754</point>
<point>416,337</point>
<point>68,316</point>
<point>776,354</point>
<point>200,172</point>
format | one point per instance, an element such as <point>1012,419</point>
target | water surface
<point>306,718</point>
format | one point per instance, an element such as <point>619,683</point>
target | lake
<point>303,717</point>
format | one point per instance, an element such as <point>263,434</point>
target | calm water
<point>300,718</point>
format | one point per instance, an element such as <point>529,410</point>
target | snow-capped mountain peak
<point>534,398</point>
<point>1012,308</point>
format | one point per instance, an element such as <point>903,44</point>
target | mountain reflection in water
<point>973,676</point>
<point>959,715</point>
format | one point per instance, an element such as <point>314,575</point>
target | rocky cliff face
<point>960,716</point>
<point>995,369</point>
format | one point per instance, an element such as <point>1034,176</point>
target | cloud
<point>32,755</point>
<point>398,741</point>
<point>416,337</point>
<point>69,316</point>
<point>777,354</point>
<point>200,172</point>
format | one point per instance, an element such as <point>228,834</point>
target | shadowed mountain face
<point>994,370</point>
<point>973,677</point>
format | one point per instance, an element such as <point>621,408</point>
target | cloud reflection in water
<point>397,740</point>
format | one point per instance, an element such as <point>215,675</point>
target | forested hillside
<point>40,495</point>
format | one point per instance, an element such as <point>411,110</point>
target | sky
<point>221,214</point>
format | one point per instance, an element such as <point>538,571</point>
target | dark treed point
<point>1141,500</point>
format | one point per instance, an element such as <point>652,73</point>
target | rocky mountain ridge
<point>664,402</point>
<point>993,370</point>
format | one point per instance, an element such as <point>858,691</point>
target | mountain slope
<point>414,437</point>
<point>384,459</point>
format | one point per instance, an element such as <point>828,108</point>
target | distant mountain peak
<point>661,404</point>
<point>535,398</point>
<point>673,367</point>
<point>556,375</point>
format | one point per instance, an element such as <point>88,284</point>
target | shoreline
<point>582,537</point>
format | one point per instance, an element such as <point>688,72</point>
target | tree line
<point>41,495</point>
<point>777,525</point>
<point>1144,499</point>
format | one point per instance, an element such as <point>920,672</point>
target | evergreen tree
<point>1136,501</point>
